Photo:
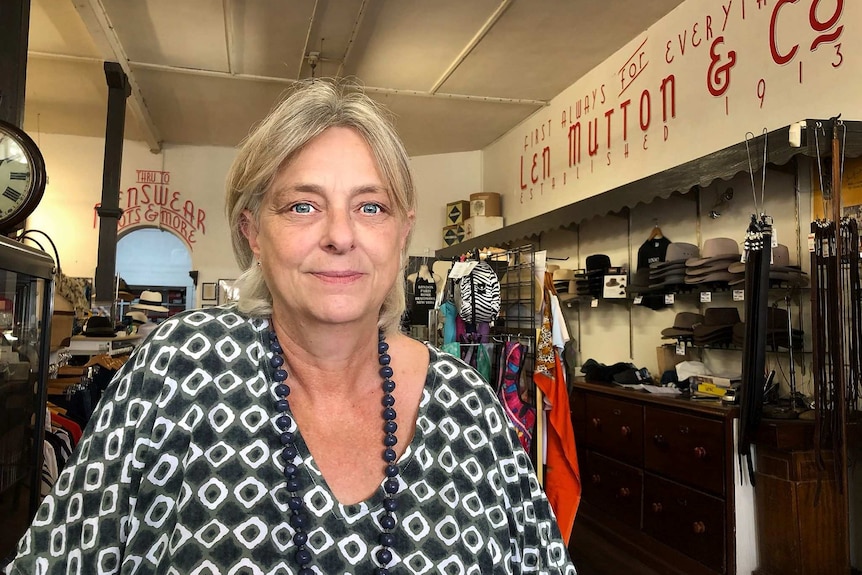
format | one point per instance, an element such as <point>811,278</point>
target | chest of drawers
<point>657,478</point>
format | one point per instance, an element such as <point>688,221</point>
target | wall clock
<point>22,176</point>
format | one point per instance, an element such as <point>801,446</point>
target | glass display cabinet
<point>26,302</point>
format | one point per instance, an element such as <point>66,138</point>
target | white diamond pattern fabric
<point>179,472</point>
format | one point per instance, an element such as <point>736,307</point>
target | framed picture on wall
<point>226,291</point>
<point>208,291</point>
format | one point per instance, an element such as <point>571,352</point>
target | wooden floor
<point>594,555</point>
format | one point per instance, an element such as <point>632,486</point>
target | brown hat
<point>683,323</point>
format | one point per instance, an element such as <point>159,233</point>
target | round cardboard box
<point>486,204</point>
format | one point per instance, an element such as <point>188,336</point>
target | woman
<point>298,431</point>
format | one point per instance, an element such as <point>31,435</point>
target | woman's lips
<point>338,277</point>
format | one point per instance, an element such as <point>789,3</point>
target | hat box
<point>485,204</point>
<point>478,225</point>
<point>457,212</point>
<point>453,234</point>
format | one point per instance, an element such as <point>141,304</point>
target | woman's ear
<point>408,225</point>
<point>248,227</point>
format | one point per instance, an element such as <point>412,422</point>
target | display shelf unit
<point>27,296</point>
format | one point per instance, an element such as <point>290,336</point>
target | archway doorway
<point>157,260</point>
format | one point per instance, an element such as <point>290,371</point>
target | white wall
<point>441,179</point>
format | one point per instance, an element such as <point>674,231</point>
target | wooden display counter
<point>657,476</point>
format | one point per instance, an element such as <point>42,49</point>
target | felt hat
<point>99,326</point>
<point>656,276</point>
<point>677,252</point>
<point>640,281</point>
<point>670,280</point>
<point>151,300</point>
<point>715,249</point>
<point>711,277</point>
<point>123,292</point>
<point>683,323</point>
<point>717,326</point>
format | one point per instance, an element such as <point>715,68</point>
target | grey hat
<point>677,252</point>
<point>713,249</point>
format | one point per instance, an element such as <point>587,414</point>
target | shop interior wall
<point>441,179</point>
<point>75,164</point>
<point>618,331</point>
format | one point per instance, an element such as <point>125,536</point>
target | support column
<point>14,36</point>
<point>109,211</point>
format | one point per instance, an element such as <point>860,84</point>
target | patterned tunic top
<point>180,473</point>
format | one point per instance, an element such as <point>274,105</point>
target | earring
<point>258,263</point>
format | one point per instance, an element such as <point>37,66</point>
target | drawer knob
<point>617,412</point>
<point>625,492</point>
<point>656,507</point>
<point>596,478</point>
<point>658,439</point>
<point>597,422</point>
<point>683,430</point>
<point>626,430</point>
<point>700,452</point>
<point>698,527</point>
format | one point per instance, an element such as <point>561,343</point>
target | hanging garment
<point>562,472</point>
<point>522,415</point>
<point>483,361</point>
<point>449,312</point>
<point>424,296</point>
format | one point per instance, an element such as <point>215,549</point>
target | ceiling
<point>457,74</point>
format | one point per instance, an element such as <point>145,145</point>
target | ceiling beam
<point>307,40</point>
<point>357,22</point>
<point>227,9</point>
<point>99,26</point>
<point>474,41</point>
<point>290,81</point>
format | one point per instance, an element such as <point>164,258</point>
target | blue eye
<point>371,208</point>
<point>302,208</point>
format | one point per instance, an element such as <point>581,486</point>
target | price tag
<point>705,297</point>
<point>594,303</point>
<point>811,242</point>
<point>668,299</point>
<point>738,295</point>
<point>638,300</point>
<point>680,348</point>
<point>774,237</point>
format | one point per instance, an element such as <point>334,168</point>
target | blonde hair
<point>311,108</point>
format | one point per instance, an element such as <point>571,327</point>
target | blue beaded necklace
<point>299,519</point>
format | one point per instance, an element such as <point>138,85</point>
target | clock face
<point>22,176</point>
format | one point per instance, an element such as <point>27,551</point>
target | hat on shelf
<point>779,270</point>
<point>677,252</point>
<point>137,317</point>
<point>715,249</point>
<point>683,324</point>
<point>672,279</point>
<point>598,262</point>
<point>711,277</point>
<point>640,281</point>
<point>151,300</point>
<point>123,292</point>
<point>99,326</point>
<point>717,326</point>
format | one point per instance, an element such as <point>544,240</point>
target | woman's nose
<point>339,234</point>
